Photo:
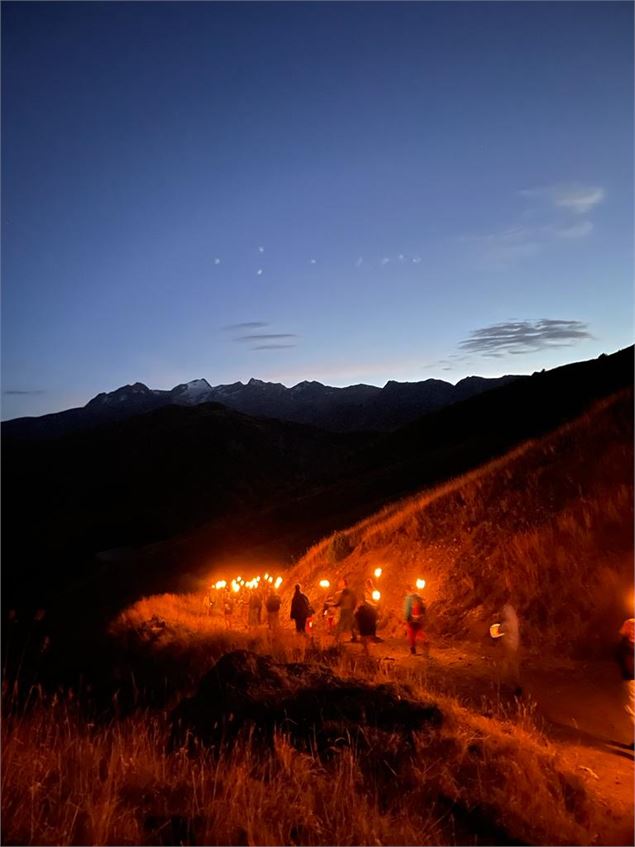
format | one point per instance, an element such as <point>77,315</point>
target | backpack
<point>417,610</point>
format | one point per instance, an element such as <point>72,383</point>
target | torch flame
<point>278,582</point>
<point>324,583</point>
<point>221,584</point>
<point>376,595</point>
<point>421,584</point>
<point>235,586</point>
<point>378,572</point>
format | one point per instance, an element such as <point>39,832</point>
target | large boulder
<point>248,694</point>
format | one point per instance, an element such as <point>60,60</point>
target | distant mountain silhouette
<point>184,486</point>
<point>355,408</point>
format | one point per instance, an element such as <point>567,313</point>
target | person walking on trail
<point>366,619</point>
<point>509,666</point>
<point>255,605</point>
<point>625,658</point>
<point>346,602</point>
<point>301,610</point>
<point>414,614</point>
<point>228,609</point>
<point>272,606</point>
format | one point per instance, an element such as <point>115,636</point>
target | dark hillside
<point>183,488</point>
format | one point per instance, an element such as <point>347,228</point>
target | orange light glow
<point>376,595</point>
<point>278,582</point>
<point>220,584</point>
<point>324,583</point>
<point>378,572</point>
<point>421,584</point>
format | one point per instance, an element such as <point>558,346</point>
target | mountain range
<point>143,503</point>
<point>350,409</point>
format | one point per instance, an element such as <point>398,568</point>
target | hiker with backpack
<point>346,602</point>
<point>366,620</point>
<point>272,605</point>
<point>301,610</point>
<point>414,613</point>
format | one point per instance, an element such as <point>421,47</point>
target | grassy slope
<point>550,526</point>
<point>69,780</point>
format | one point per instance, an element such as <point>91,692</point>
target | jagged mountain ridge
<point>349,409</point>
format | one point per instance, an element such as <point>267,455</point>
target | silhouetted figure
<point>509,667</point>
<point>366,619</point>
<point>272,606</point>
<point>301,610</point>
<point>255,607</point>
<point>228,609</point>
<point>414,614</point>
<point>346,602</point>
<point>625,658</point>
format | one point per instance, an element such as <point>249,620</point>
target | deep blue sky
<point>420,185</point>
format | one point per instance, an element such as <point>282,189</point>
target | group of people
<point>266,598</point>
<point>359,619</point>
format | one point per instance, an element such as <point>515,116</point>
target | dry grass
<point>549,526</point>
<point>66,780</point>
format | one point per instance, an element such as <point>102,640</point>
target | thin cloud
<point>216,261</point>
<point>269,336</point>
<point>273,346</point>
<point>359,262</point>
<point>24,391</point>
<point>259,272</point>
<point>416,260</point>
<point>517,337</point>
<point>385,260</point>
<point>577,230</point>
<point>246,325</point>
<point>261,249</point>
<point>575,198</point>
<point>313,261</point>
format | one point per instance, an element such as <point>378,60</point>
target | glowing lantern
<point>495,631</point>
<point>378,572</point>
<point>220,584</point>
<point>421,584</point>
<point>324,583</point>
<point>278,582</point>
<point>376,595</point>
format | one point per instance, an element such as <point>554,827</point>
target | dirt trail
<point>578,706</point>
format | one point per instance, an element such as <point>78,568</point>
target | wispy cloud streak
<point>517,337</point>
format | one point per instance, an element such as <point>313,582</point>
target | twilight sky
<point>348,192</point>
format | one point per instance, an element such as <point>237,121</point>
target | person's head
<point>297,588</point>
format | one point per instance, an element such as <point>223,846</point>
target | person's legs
<point>412,637</point>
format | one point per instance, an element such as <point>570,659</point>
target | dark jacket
<point>300,607</point>
<point>366,617</point>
